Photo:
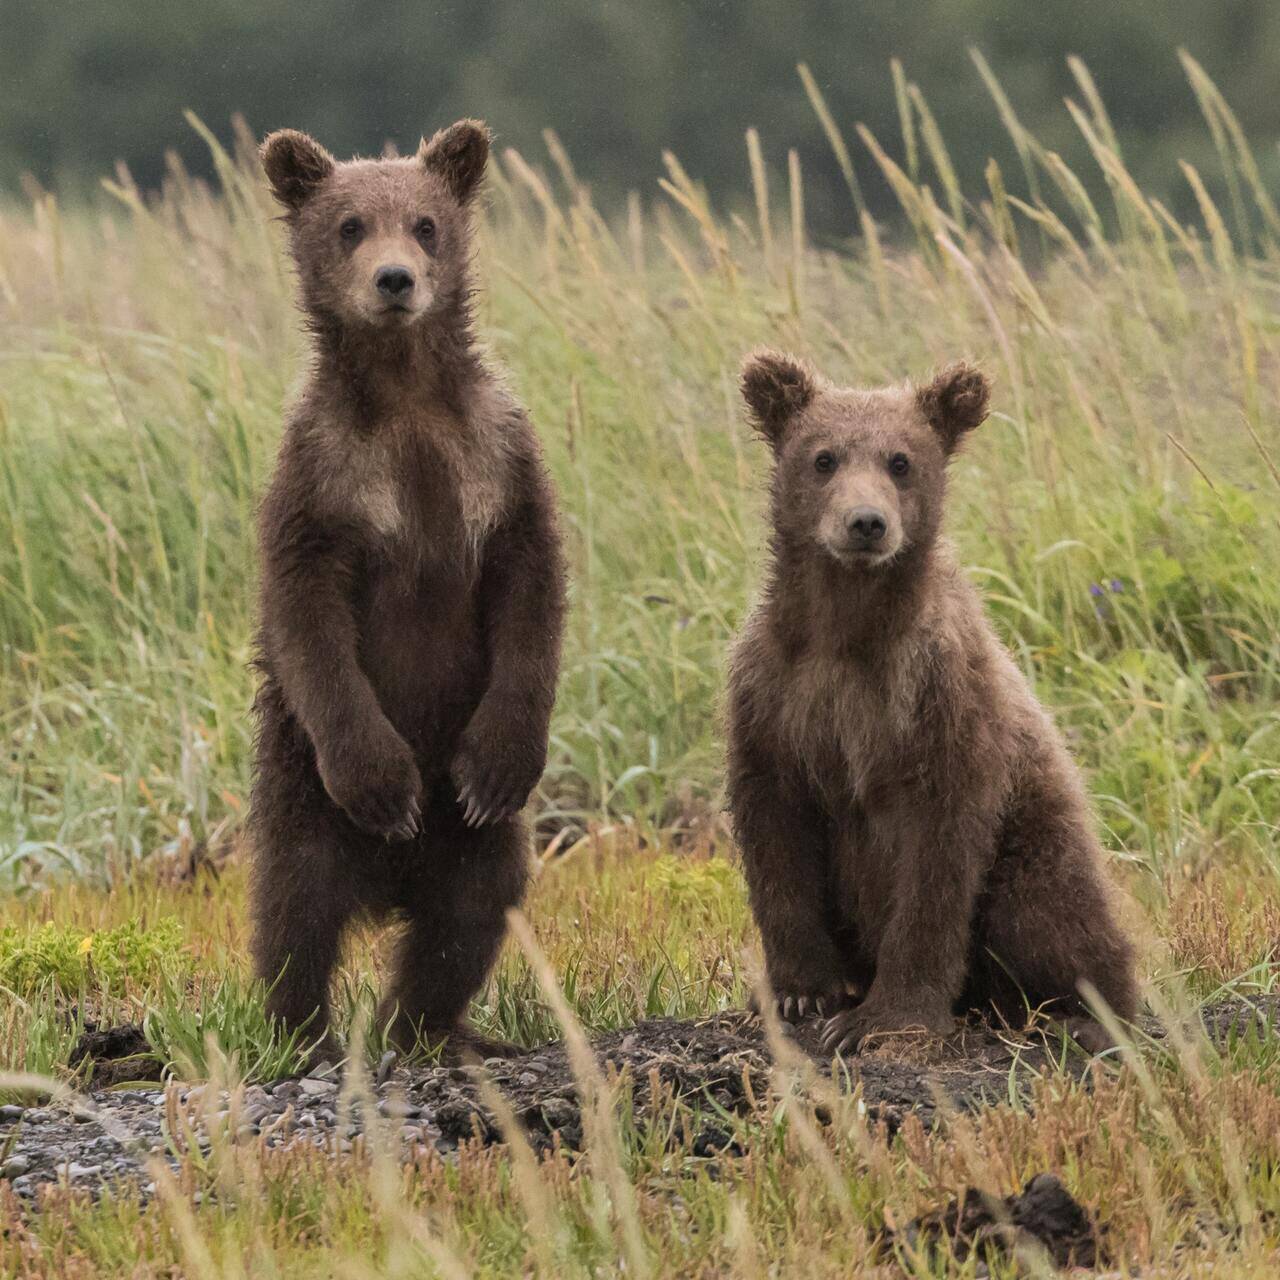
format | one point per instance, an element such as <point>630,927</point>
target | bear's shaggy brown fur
<point>412,598</point>
<point>913,830</point>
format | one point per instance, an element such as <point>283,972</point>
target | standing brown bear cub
<point>412,599</point>
<point>913,830</point>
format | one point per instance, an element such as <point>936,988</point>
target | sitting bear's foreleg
<point>942,839</point>
<point>785,845</point>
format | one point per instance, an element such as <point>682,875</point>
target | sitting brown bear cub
<point>412,599</point>
<point>911,825</point>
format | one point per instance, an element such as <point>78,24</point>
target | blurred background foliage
<point>620,80</point>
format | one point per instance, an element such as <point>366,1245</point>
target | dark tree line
<point>84,85</point>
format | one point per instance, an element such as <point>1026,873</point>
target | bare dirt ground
<point>720,1066</point>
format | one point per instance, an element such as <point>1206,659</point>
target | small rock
<point>398,1109</point>
<point>316,1088</point>
<point>75,1171</point>
<point>10,1113</point>
<point>15,1167</point>
<point>385,1065</point>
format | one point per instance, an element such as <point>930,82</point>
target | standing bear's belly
<point>423,646</point>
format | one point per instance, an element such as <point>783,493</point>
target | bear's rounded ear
<point>776,387</point>
<point>458,154</point>
<point>955,402</point>
<point>296,165</point>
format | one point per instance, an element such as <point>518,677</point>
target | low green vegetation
<point>1119,512</point>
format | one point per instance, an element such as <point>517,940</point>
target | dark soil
<point>117,1055</point>
<point>1044,1218</point>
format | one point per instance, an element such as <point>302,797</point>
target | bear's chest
<point>426,495</point>
<point>849,725</point>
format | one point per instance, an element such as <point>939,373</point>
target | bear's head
<point>379,243</point>
<point>859,475</point>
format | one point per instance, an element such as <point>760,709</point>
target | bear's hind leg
<point>456,908</point>
<point>1047,924</point>
<point>300,906</point>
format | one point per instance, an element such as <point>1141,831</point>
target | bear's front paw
<point>493,778</point>
<point>377,785</point>
<point>847,1031</point>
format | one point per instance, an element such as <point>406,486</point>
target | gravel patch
<point>720,1062</point>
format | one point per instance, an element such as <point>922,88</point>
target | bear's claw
<point>846,1032</point>
<point>487,793</point>
<point>796,1008</point>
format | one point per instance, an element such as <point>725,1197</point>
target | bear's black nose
<point>393,282</point>
<point>867,523</point>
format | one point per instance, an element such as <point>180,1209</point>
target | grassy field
<point>1119,511</point>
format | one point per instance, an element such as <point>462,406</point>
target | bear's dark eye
<point>351,229</point>
<point>899,464</point>
<point>425,230</point>
<point>825,462</point>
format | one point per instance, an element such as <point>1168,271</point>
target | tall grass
<point>1119,510</point>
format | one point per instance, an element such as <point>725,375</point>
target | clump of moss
<point>73,961</point>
